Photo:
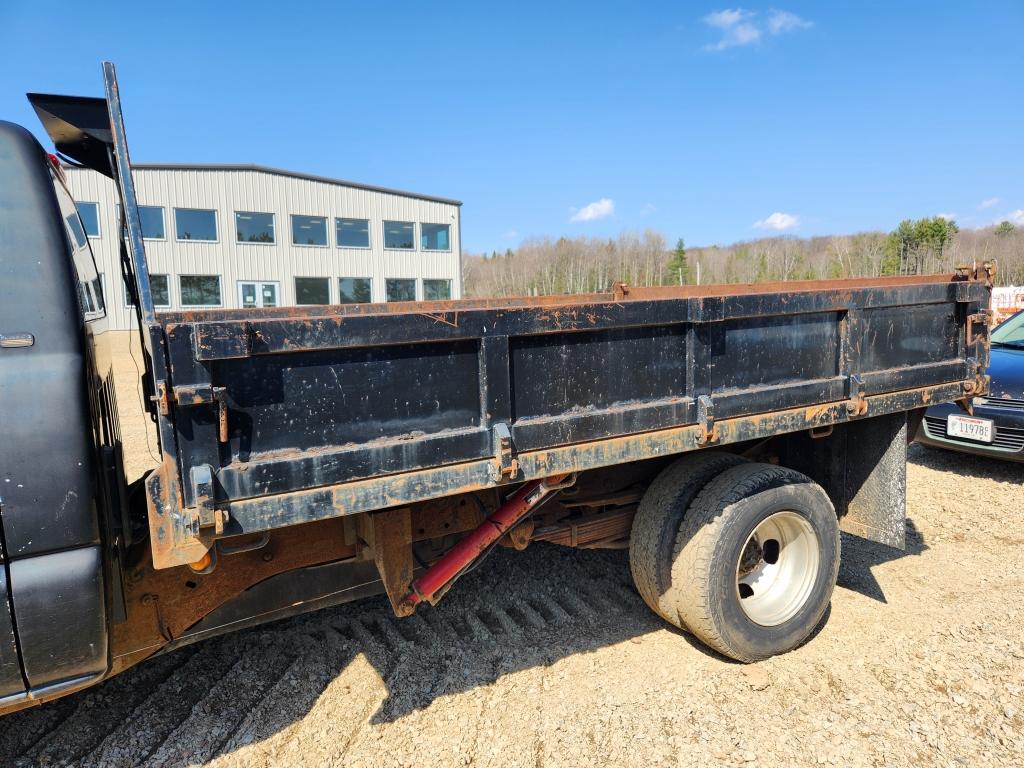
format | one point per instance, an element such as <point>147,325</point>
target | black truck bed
<point>275,417</point>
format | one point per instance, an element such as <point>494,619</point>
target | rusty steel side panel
<point>278,417</point>
<point>379,493</point>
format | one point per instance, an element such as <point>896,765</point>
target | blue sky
<point>712,122</point>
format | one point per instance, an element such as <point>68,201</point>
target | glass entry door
<point>257,294</point>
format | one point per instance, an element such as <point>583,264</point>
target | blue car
<point>997,427</point>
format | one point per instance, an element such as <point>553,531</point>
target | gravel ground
<point>549,658</point>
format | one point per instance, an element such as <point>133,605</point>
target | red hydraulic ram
<point>436,578</point>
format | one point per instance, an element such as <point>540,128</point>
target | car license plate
<point>969,428</point>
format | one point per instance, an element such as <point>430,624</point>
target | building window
<point>152,218</point>
<point>253,227</point>
<point>355,290</point>
<point>200,290</point>
<point>75,227</point>
<point>159,289</point>
<point>309,230</point>
<point>99,293</point>
<point>195,224</point>
<point>90,215</point>
<point>352,233</point>
<point>401,289</point>
<point>312,290</point>
<point>89,302</point>
<point>399,234</point>
<point>435,237</point>
<point>437,290</point>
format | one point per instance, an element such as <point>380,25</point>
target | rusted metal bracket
<point>213,342</point>
<point>206,394</point>
<point>389,535</point>
<point>973,387</point>
<point>620,291</point>
<point>857,403</point>
<point>975,272</point>
<point>707,433</point>
<point>505,466</point>
<point>519,537</point>
<point>161,398</point>
<point>984,319</point>
<point>206,514</point>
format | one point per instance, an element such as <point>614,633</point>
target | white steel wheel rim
<point>777,568</point>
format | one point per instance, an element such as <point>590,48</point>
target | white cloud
<point>735,27</point>
<point>740,27</point>
<point>729,17</point>
<point>990,203</point>
<point>599,209</point>
<point>648,209</point>
<point>784,21</point>
<point>1016,217</point>
<point>946,216</point>
<point>778,222</point>
<point>510,235</point>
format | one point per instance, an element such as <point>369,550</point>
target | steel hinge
<point>207,515</point>
<point>983,318</point>
<point>206,394</point>
<point>163,402</point>
<point>505,465</point>
<point>707,432</point>
<point>857,402</point>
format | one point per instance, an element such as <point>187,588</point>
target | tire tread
<point>699,534</point>
<point>657,520</point>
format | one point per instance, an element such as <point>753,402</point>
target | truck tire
<point>755,561</point>
<point>656,525</point>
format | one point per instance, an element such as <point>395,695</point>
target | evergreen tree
<point>678,266</point>
<point>912,242</point>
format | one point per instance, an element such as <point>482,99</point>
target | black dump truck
<point>315,455</point>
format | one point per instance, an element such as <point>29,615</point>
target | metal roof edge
<point>290,174</point>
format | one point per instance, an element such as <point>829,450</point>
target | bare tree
<point>585,264</point>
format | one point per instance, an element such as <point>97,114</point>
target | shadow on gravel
<point>519,610</point>
<point>965,464</point>
<point>522,610</point>
<point>860,556</point>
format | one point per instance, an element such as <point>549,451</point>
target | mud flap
<point>875,481</point>
<point>863,467</point>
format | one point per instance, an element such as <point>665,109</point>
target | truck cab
<point>58,434</point>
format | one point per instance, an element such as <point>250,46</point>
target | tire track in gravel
<point>216,715</point>
<point>320,653</point>
<point>252,693</point>
<point>103,709</point>
<point>32,726</point>
<point>166,707</point>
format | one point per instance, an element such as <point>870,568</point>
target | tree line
<point>588,264</point>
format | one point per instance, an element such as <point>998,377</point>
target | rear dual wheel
<point>742,555</point>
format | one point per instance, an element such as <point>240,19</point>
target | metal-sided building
<point>238,236</point>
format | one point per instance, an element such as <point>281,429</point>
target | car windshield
<point>1011,332</point>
